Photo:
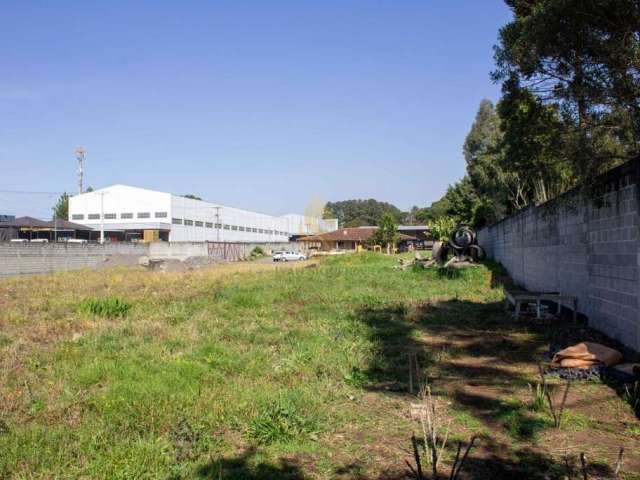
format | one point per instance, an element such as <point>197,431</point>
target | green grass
<point>244,372</point>
<point>105,307</point>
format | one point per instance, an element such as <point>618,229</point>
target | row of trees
<point>570,108</point>
<point>358,213</point>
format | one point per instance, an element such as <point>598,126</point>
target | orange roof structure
<point>358,234</point>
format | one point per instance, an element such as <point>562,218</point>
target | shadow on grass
<point>249,466</point>
<point>518,421</point>
<point>491,461</point>
<point>449,272</point>
<point>460,344</point>
<point>355,471</point>
<point>471,329</point>
<point>499,276</point>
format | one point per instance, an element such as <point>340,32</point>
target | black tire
<point>477,253</point>
<point>462,237</point>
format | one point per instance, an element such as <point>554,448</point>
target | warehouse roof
<point>34,223</point>
<point>67,225</point>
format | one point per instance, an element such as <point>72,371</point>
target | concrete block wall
<point>31,258</point>
<point>582,245</point>
<point>229,251</point>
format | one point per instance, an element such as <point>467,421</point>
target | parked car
<point>39,240</point>
<point>288,256</point>
<point>19,240</point>
<point>75,240</point>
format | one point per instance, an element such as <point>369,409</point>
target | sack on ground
<point>585,355</point>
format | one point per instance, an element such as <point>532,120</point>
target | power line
<point>26,192</point>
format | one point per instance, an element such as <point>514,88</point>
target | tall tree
<point>386,233</point>
<point>481,152</point>
<point>581,55</point>
<point>533,162</point>
<point>61,208</point>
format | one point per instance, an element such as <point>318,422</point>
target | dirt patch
<point>485,371</point>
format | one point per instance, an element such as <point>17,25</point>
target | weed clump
<point>632,396</point>
<point>109,307</point>
<point>538,398</point>
<point>279,421</point>
<point>356,378</point>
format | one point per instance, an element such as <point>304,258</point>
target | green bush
<point>257,252</point>
<point>105,307</point>
<point>441,228</point>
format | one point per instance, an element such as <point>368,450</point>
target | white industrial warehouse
<point>123,212</point>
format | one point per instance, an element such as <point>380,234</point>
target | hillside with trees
<point>357,213</point>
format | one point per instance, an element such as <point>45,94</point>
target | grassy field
<point>256,371</point>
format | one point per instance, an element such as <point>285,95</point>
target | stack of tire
<point>462,243</point>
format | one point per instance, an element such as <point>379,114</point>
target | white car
<point>75,240</point>
<point>288,256</point>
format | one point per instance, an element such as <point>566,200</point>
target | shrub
<point>441,228</point>
<point>105,307</point>
<point>257,252</point>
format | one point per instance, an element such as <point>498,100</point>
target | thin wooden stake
<point>411,374</point>
<point>583,461</point>
<point>413,470</point>
<point>564,400</point>
<point>416,456</point>
<point>619,462</point>
<point>545,391</point>
<point>455,462</point>
<point>464,457</point>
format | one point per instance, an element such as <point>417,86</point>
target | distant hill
<point>356,213</point>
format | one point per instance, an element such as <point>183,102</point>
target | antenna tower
<point>80,153</point>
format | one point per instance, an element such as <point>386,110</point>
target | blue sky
<point>258,104</point>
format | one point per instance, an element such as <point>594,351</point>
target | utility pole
<point>80,153</point>
<point>102,194</point>
<point>218,225</point>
